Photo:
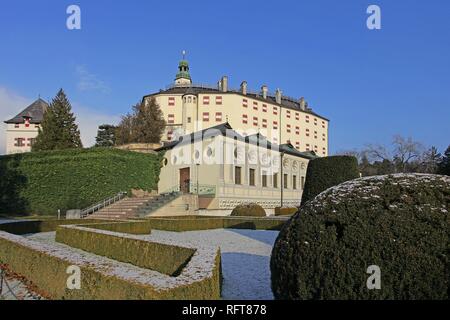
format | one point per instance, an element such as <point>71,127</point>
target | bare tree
<point>405,150</point>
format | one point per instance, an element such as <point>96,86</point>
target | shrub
<point>43,182</point>
<point>399,223</point>
<point>327,172</point>
<point>248,210</point>
<point>285,211</point>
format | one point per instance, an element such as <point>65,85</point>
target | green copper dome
<point>183,70</point>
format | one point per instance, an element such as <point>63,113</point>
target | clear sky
<point>371,84</point>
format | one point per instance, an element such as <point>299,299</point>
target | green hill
<point>43,182</point>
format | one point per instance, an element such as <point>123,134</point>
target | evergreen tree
<point>59,130</point>
<point>444,165</point>
<point>106,136</point>
<point>149,122</point>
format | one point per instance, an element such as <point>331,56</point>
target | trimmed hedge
<point>37,226</point>
<point>43,182</point>
<point>248,210</point>
<point>399,223</point>
<point>49,270</point>
<point>285,211</point>
<point>176,224</point>
<point>324,173</point>
<point>167,259</point>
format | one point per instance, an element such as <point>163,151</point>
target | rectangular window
<point>237,175</point>
<point>275,110</point>
<point>297,116</point>
<point>297,145</point>
<point>189,120</point>
<point>297,130</point>
<point>255,121</point>
<point>288,128</point>
<point>206,100</point>
<point>252,177</point>
<point>275,125</point>
<point>264,123</point>
<point>275,180</point>
<point>171,118</point>
<point>294,182</point>
<point>169,135</point>
<point>16,125</point>
<point>264,107</point>
<point>302,185</point>
<point>255,105</point>
<point>218,116</point>
<point>36,126</point>
<point>264,180</point>
<point>219,100</point>
<point>285,181</point>
<point>206,116</point>
<point>171,101</point>
<point>307,132</point>
<point>245,103</point>
<point>244,119</point>
<point>20,142</point>
<point>31,141</point>
<point>307,119</point>
<point>288,113</point>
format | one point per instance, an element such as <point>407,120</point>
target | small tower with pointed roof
<point>183,77</point>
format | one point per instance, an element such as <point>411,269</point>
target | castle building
<point>188,107</point>
<point>22,130</point>
<point>225,147</point>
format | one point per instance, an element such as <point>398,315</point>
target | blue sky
<point>371,84</point>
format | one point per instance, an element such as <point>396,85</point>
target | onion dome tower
<point>183,78</point>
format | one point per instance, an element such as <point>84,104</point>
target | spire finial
<point>184,54</point>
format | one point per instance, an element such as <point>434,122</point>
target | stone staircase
<point>156,203</point>
<point>129,208</point>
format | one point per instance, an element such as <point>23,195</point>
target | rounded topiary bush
<point>324,173</point>
<point>399,223</point>
<point>248,210</point>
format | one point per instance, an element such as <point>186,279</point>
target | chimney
<point>264,91</point>
<point>302,104</point>
<point>278,94</point>
<point>224,83</point>
<point>244,87</point>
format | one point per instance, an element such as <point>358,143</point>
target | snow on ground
<point>245,258</point>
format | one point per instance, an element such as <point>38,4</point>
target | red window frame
<point>288,128</point>
<point>206,100</point>
<point>171,118</point>
<point>171,101</point>
<point>255,121</point>
<point>218,116</point>
<point>275,111</point>
<point>288,114</point>
<point>264,123</point>
<point>205,116</point>
<point>219,100</point>
<point>245,103</point>
<point>244,119</point>
<point>264,107</point>
<point>297,116</point>
<point>255,105</point>
<point>275,125</point>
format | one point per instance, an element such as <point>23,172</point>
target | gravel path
<point>245,257</point>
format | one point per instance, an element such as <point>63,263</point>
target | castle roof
<point>34,111</point>
<point>225,129</point>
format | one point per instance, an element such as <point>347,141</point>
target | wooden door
<point>184,180</point>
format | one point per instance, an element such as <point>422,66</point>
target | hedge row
<point>43,182</point>
<point>285,211</point>
<point>167,259</point>
<point>205,223</point>
<point>48,270</point>
<point>37,226</point>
